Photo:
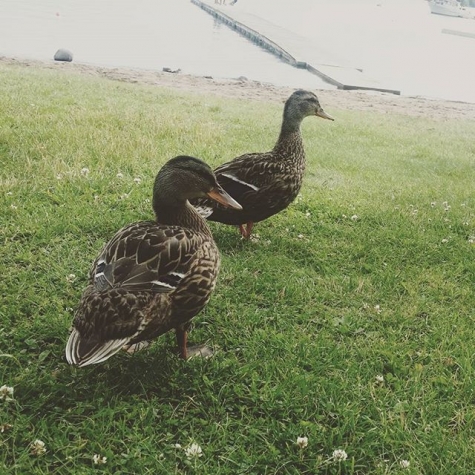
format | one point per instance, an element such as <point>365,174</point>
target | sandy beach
<point>242,88</point>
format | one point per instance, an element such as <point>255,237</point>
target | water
<point>398,42</point>
<point>148,34</point>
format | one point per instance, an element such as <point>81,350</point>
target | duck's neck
<point>289,144</point>
<point>173,212</point>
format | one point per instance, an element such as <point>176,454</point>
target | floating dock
<point>467,34</point>
<point>292,48</point>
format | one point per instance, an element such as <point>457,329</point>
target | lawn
<point>349,319</point>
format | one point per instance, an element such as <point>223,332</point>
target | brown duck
<point>152,276</point>
<point>265,183</point>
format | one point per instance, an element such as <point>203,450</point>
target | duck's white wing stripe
<point>204,211</point>
<point>232,177</point>
<point>163,284</point>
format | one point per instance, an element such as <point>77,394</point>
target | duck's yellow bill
<point>219,195</point>
<point>321,113</point>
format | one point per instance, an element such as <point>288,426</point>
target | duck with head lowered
<point>152,276</point>
<point>265,183</point>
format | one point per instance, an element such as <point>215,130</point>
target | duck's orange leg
<point>246,231</point>
<point>181,339</point>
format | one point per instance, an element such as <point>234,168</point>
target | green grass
<point>386,217</point>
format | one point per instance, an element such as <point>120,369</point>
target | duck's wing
<point>140,261</point>
<point>243,178</point>
<point>145,256</point>
<point>243,175</point>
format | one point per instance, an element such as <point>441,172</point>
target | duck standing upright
<point>152,276</point>
<point>265,183</point>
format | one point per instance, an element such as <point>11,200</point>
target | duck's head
<point>304,103</point>
<point>185,178</point>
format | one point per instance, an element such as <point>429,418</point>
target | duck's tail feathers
<point>82,352</point>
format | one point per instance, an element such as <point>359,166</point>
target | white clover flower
<point>379,378</point>
<point>404,463</point>
<point>96,197</point>
<point>9,193</point>
<point>471,240</point>
<point>377,308</point>
<point>193,451</point>
<point>13,206</point>
<point>98,460</point>
<point>354,217</point>
<point>84,171</point>
<point>177,446</point>
<point>138,180</point>
<point>38,447</point>
<point>124,196</point>
<point>300,236</point>
<point>71,278</point>
<point>339,455</point>
<point>444,241</point>
<point>120,175</point>
<point>6,393</point>
<point>59,176</point>
<point>308,214</point>
<point>302,442</point>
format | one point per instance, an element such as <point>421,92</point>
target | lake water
<point>148,34</point>
<point>398,42</point>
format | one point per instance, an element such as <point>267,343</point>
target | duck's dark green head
<point>185,178</point>
<point>302,104</point>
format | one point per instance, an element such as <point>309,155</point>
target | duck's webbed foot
<point>190,351</point>
<point>201,351</point>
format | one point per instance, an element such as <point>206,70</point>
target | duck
<point>152,276</point>
<point>265,183</point>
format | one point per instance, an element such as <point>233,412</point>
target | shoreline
<point>241,88</point>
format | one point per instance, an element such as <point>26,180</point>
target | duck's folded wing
<point>145,257</point>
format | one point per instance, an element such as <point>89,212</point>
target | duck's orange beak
<point>321,113</point>
<point>219,195</point>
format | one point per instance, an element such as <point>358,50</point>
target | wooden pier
<point>292,48</point>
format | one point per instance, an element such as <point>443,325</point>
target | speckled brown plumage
<point>266,183</point>
<point>152,276</point>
